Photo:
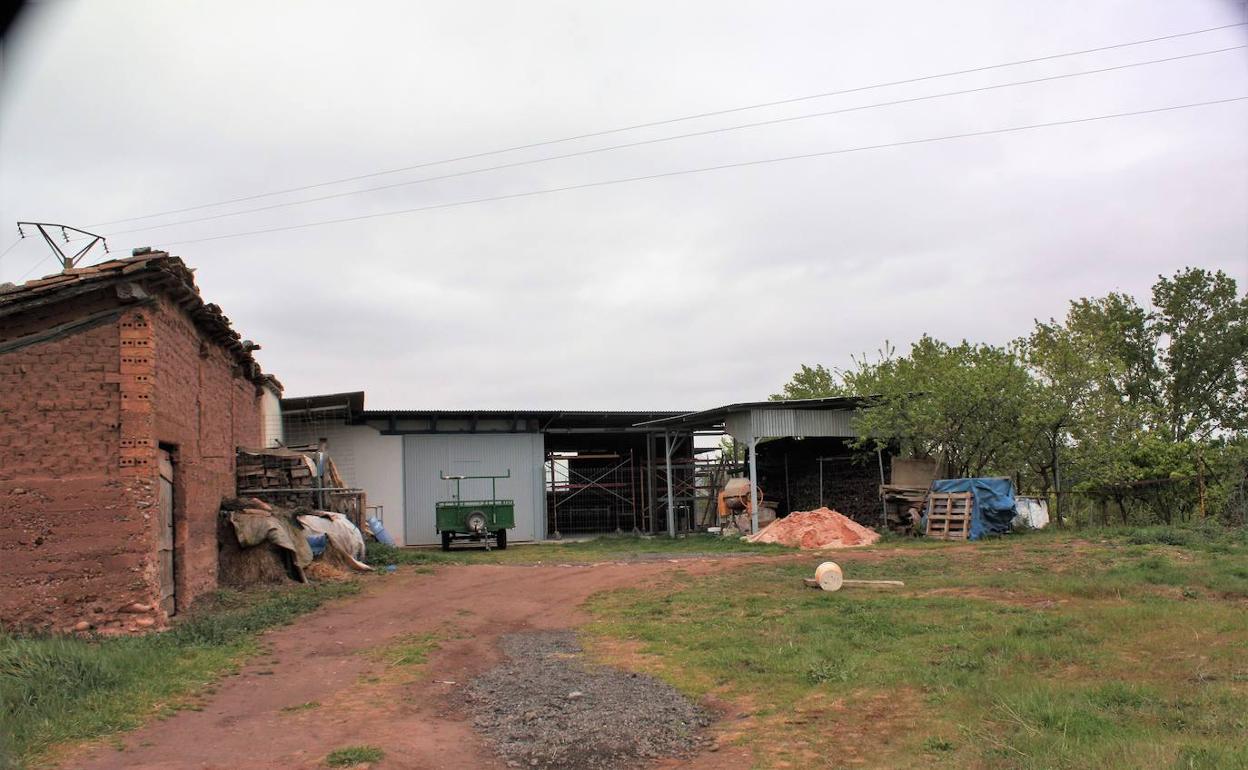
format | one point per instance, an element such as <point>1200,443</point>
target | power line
<point>722,167</point>
<point>642,142</point>
<point>10,248</point>
<point>37,263</point>
<point>668,121</point>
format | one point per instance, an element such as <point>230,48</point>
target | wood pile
<point>276,468</point>
<point>903,506</point>
<point>288,478</point>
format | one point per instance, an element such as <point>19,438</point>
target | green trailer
<point>480,521</point>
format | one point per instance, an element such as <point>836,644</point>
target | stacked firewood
<point>288,478</point>
<point>275,469</point>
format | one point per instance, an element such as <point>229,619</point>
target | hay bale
<point>240,567</point>
<point>325,572</point>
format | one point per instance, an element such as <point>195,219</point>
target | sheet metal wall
<point>424,457</point>
<point>775,423</point>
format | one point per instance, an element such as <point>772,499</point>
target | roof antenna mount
<point>67,261</point>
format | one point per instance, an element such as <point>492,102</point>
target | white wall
<point>271,418</point>
<point>427,456</point>
<point>365,459</point>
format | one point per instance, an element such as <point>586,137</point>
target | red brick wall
<point>73,544</point>
<point>204,409</point>
<point>81,419</point>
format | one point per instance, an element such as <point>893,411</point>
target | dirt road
<point>329,658</point>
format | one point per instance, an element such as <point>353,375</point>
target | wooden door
<point>165,552</point>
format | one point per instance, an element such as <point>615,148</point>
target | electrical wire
<point>659,140</point>
<point>10,248</point>
<point>668,121</point>
<point>37,263</point>
<point>721,167</point>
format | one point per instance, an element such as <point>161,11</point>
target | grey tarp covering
<point>253,529</point>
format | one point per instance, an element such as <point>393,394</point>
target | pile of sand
<point>820,528</point>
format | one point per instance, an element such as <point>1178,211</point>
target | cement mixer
<point>735,506</point>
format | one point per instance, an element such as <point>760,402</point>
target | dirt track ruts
<point>323,658</point>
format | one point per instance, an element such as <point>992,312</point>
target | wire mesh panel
<point>306,430</point>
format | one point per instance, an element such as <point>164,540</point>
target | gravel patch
<point>546,707</point>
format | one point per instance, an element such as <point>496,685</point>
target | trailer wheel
<point>446,540</point>
<point>501,539</point>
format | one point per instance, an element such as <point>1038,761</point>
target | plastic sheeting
<point>343,535</point>
<point>993,509</point>
<point>1032,512</point>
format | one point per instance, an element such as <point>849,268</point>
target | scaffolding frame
<point>598,492</point>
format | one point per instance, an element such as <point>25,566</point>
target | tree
<point>810,382</point>
<point>1200,329</point>
<point>962,403</point>
<point>1089,374</point>
<point>1127,403</point>
<point>1134,395</point>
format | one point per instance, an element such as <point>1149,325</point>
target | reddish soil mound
<point>820,528</point>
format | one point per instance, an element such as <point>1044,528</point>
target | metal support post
<point>753,484</point>
<point>671,509</point>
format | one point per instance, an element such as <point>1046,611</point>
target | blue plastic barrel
<point>317,543</point>
<point>379,531</point>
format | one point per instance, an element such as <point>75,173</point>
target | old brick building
<point>123,396</point>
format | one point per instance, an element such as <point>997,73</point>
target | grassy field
<point>1125,649</point>
<point>56,689</point>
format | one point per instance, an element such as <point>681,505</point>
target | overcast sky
<point>681,292</point>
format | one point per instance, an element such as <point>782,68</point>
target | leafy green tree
<point>1138,406</point>
<point>1200,331</point>
<point>1089,375</point>
<point>962,403</point>
<point>810,382</point>
<point>1131,396</point>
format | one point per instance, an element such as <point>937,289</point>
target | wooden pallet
<point>949,515</point>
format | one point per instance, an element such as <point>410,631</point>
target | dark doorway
<point>166,532</point>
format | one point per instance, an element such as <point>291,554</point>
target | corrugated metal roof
<point>710,418</point>
<point>550,418</point>
<point>352,401</point>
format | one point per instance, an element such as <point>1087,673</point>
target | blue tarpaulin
<point>993,507</point>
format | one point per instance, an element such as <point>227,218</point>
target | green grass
<point>354,755</point>
<point>1040,651</point>
<point>407,649</point>
<point>55,689</point>
<point>605,548</point>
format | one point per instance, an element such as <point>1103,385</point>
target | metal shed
<point>531,444</point>
<point>572,471</point>
<point>750,421</point>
